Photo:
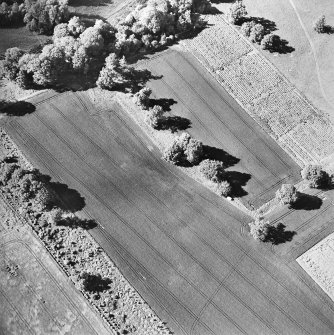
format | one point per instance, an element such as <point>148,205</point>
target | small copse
<point>287,194</point>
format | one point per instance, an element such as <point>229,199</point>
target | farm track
<point>26,137</point>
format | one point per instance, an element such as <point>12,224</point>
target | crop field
<point>309,66</point>
<point>265,94</point>
<point>35,295</point>
<point>184,249</point>
<point>219,122</point>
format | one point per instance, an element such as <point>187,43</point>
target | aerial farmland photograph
<point>166,167</point>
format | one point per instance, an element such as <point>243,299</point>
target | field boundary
<point>263,92</point>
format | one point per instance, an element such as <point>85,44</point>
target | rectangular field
<point>219,122</point>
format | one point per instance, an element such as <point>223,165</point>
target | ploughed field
<point>183,248</point>
<point>219,122</point>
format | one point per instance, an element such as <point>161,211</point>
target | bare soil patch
<point>318,263</point>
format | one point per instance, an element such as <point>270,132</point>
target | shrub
<point>194,151</point>
<point>237,12</point>
<point>246,28</point>
<point>316,177</point>
<point>257,33</point>
<point>6,172</point>
<point>287,194</point>
<point>269,41</point>
<point>223,188</point>
<point>260,229</point>
<point>212,170</point>
<point>155,117</point>
<point>174,154</point>
<point>320,25</point>
<point>142,98</point>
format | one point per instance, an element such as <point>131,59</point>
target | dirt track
<point>186,251</point>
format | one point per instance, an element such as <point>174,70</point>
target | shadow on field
<point>163,102</point>
<point>307,202</point>
<point>79,3</point>
<point>18,108</point>
<point>278,235</point>
<point>76,222</point>
<point>69,199</point>
<point>237,181</point>
<point>281,46</point>
<point>220,155</point>
<point>175,123</point>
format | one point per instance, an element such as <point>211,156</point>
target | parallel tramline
<point>264,93</point>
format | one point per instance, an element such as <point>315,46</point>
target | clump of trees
<point>212,170</point>
<point>158,23</point>
<point>40,16</point>
<point>142,98</point>
<point>26,186</point>
<point>237,12</point>
<point>115,74</point>
<point>287,194</point>
<point>43,15</point>
<point>270,41</point>
<point>215,172</point>
<point>260,229</point>
<point>316,176</point>
<point>11,15</point>
<point>184,149</point>
<point>254,31</point>
<point>320,25</point>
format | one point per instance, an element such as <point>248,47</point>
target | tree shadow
<point>278,235</point>
<point>68,198</point>
<point>329,29</point>
<point>95,282</point>
<point>18,108</point>
<point>237,181</point>
<point>268,25</point>
<point>76,222</point>
<point>220,155</point>
<point>163,102</point>
<point>175,123</point>
<point>91,3</point>
<point>281,46</point>
<point>307,202</point>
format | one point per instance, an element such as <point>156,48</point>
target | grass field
<point>186,251</point>
<point>18,37</point>
<point>35,295</point>
<point>220,123</point>
<point>310,66</point>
